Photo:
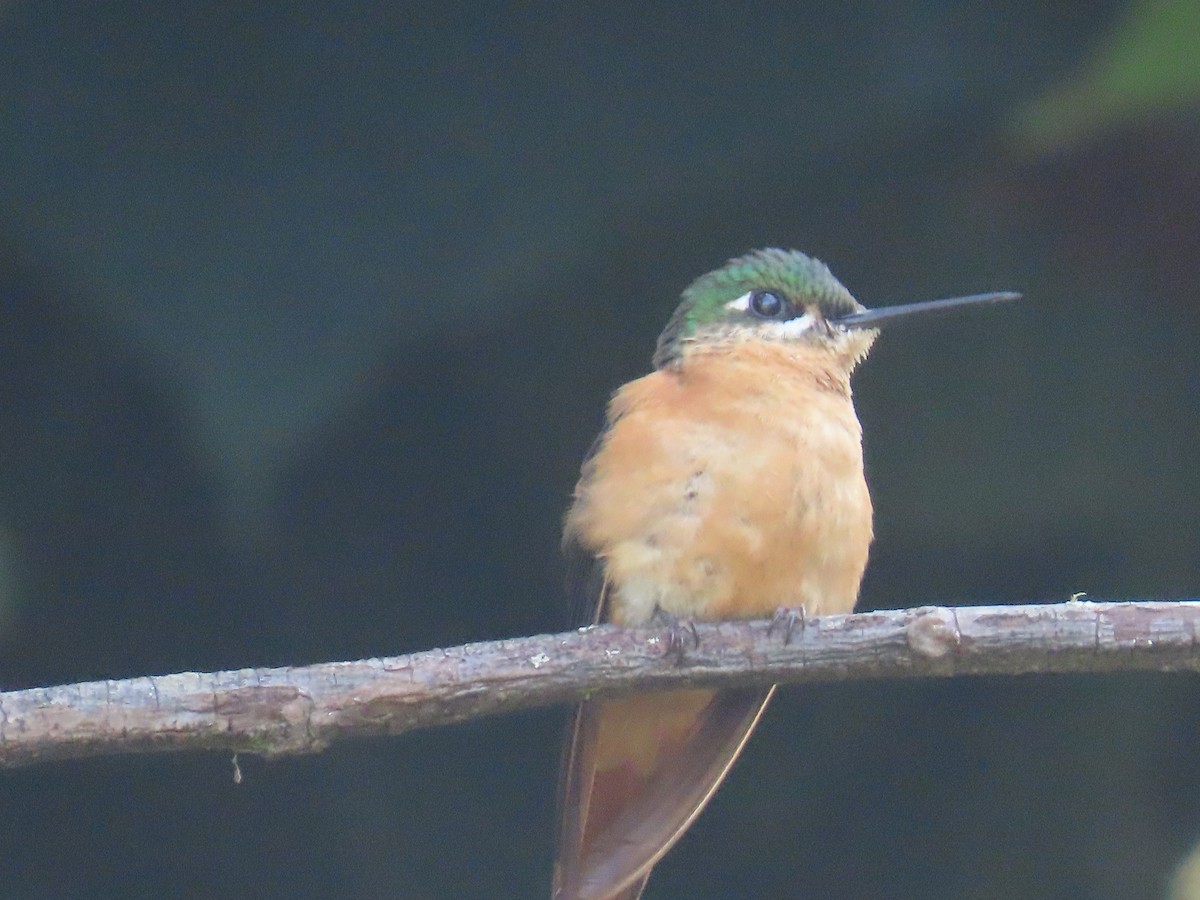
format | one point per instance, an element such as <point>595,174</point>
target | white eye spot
<point>792,328</point>
<point>741,304</point>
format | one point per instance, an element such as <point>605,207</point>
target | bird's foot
<point>678,633</point>
<point>787,618</point>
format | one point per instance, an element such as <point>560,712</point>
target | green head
<point>786,296</point>
<point>766,294</point>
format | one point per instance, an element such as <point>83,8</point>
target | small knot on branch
<point>933,632</point>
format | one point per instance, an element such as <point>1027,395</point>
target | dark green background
<point>308,313</point>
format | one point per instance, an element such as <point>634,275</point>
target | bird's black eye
<point>767,305</point>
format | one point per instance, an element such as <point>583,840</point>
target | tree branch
<point>281,711</point>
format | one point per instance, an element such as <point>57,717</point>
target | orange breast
<point>729,488</point>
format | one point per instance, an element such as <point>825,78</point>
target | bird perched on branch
<point>728,485</point>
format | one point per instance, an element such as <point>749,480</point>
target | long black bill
<point>873,318</point>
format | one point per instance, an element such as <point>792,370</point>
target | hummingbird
<point>728,484</point>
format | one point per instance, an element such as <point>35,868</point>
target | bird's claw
<point>677,634</point>
<point>787,617</point>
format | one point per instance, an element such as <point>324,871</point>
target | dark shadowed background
<point>308,313</point>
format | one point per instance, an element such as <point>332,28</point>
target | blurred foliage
<point>1149,66</point>
<point>1185,883</point>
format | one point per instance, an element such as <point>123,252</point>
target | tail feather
<point>636,774</point>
